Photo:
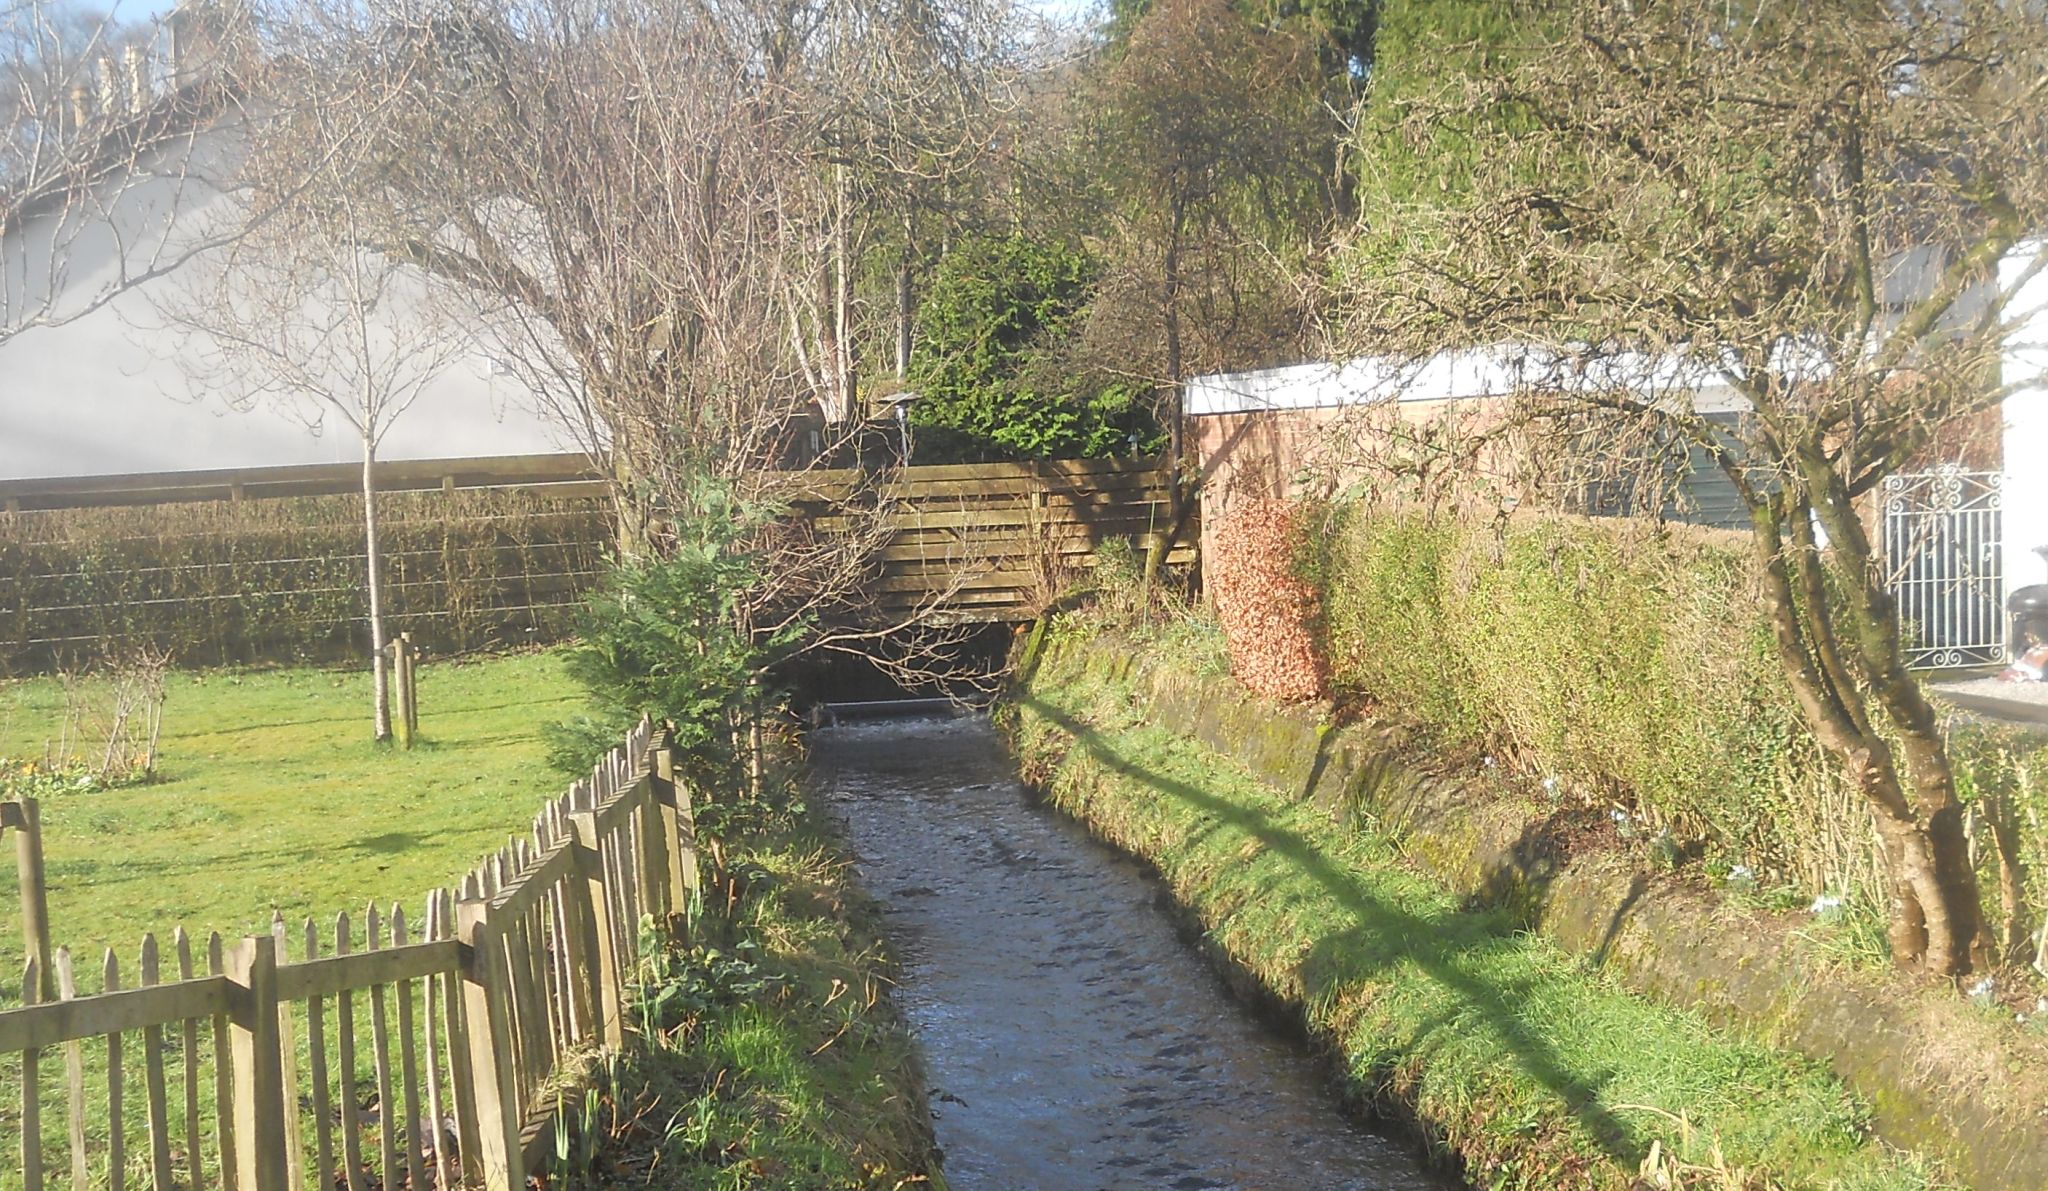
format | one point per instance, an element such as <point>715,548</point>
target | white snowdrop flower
<point>1740,872</point>
<point>1549,784</point>
<point>1824,903</point>
<point>1982,990</point>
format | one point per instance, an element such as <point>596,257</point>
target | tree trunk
<point>380,684</point>
<point>1934,916</point>
<point>905,312</point>
<point>1941,876</point>
<point>842,304</point>
<point>2012,877</point>
<point>1170,404</point>
<point>906,304</point>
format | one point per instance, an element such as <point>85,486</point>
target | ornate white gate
<point>1942,550</point>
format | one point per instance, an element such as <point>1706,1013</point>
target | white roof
<point>1471,374</point>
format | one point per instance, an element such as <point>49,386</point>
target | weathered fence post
<point>403,722</point>
<point>412,684</point>
<point>487,1012</point>
<point>606,1000</point>
<point>260,1140</point>
<point>26,818</point>
<point>678,826</point>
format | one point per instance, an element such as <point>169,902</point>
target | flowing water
<point>1072,1039</point>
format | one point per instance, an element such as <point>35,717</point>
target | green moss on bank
<point>767,1055</point>
<point>1532,1071</point>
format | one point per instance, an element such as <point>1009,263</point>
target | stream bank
<point>1072,1039</point>
<point>1520,1062</point>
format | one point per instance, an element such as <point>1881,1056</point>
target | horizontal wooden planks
<point>333,974</point>
<point>33,1027</point>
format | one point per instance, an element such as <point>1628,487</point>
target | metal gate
<point>1942,552</point>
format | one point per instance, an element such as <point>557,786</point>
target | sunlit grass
<point>271,795</point>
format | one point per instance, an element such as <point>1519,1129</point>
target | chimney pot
<point>138,79</point>
<point>110,88</point>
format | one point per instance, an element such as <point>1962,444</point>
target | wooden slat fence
<point>555,474</point>
<point>390,1050</point>
<point>995,541</point>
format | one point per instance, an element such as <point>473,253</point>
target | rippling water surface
<point>1073,1040</point>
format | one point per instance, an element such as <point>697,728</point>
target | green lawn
<point>271,795</point>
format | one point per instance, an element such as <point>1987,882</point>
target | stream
<point>1072,1039</point>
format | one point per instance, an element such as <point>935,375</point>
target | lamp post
<point>899,406</point>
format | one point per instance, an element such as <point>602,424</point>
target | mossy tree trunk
<point>1841,650</point>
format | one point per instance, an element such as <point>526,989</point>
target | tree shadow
<point>1380,932</point>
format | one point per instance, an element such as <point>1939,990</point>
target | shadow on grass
<point>1380,934</point>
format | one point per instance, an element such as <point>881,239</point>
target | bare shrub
<point>113,716</point>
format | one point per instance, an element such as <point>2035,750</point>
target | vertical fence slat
<point>531,981</point>
<point>512,958</point>
<point>380,1053</point>
<point>577,946</point>
<point>223,1073</point>
<point>461,1077</point>
<point>288,1053</point>
<point>155,1089</point>
<point>188,1038</point>
<point>408,1064</point>
<point>74,1078</point>
<point>430,999</point>
<point>345,1055</point>
<point>595,910</point>
<point>31,1088</point>
<point>117,1139</point>
<point>318,1075</point>
<point>556,986</point>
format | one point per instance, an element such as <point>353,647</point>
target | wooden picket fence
<point>474,1016</point>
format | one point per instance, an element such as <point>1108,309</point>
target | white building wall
<point>107,394</point>
<point>2025,497</point>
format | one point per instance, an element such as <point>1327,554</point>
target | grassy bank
<point>1512,1058</point>
<point>270,795</point>
<point>766,1055</point>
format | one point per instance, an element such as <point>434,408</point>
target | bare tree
<point>1802,204</point>
<point>650,212</point>
<point>100,151</point>
<point>301,315</point>
<point>1210,134</point>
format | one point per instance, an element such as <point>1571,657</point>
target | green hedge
<point>282,580</point>
<point>1616,662</point>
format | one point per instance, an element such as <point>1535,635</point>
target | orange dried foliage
<point>1266,612</point>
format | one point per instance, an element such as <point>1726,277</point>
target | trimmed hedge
<point>282,580</point>
<point>1622,663</point>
